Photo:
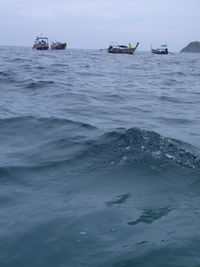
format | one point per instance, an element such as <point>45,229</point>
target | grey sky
<point>97,23</point>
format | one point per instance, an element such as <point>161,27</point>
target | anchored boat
<point>122,49</point>
<point>41,43</point>
<point>163,50</point>
<point>58,45</point>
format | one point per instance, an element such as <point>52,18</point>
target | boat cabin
<point>162,50</point>
<point>41,43</point>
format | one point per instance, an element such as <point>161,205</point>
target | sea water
<point>99,159</point>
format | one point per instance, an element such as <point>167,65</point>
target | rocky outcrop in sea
<point>193,47</point>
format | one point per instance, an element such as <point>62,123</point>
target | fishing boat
<point>58,45</point>
<point>41,43</point>
<point>122,49</point>
<point>163,50</point>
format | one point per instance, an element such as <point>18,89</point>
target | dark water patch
<point>120,199</point>
<point>60,65</point>
<point>169,99</point>
<point>177,100</point>
<point>173,73</point>
<point>89,74</point>
<point>9,76</point>
<point>4,74</point>
<point>110,97</point>
<point>169,82</point>
<point>39,67</point>
<point>144,242</point>
<point>26,67</point>
<point>39,84</point>
<point>150,215</point>
<point>175,120</point>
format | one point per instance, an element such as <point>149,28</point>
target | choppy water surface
<point>99,159</point>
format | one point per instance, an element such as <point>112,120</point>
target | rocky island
<point>193,47</point>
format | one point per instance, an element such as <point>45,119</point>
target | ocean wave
<point>172,99</point>
<point>142,147</point>
<point>30,141</point>
<point>8,76</point>
<point>39,84</point>
<point>40,120</point>
<point>53,142</point>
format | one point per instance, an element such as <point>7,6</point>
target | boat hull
<point>59,46</point>
<point>122,50</point>
<point>164,52</point>
<point>41,48</point>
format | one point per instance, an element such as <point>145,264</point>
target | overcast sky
<point>97,23</point>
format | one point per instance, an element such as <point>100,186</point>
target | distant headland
<point>193,47</point>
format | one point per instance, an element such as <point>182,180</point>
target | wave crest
<point>147,147</point>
